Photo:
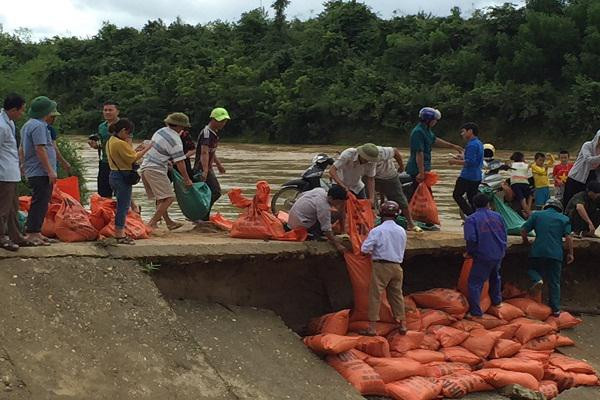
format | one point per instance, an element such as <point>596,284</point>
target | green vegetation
<point>344,75</point>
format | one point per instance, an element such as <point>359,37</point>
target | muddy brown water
<point>248,163</point>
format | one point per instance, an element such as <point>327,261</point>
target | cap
<point>219,114</point>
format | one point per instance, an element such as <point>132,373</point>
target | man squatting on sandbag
<point>485,234</point>
<point>386,244</point>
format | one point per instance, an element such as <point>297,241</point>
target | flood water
<point>248,163</point>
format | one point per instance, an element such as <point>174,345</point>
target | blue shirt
<point>550,227</point>
<point>35,133</point>
<point>485,234</point>
<point>421,140</point>
<point>386,242</point>
<point>471,171</point>
<point>9,153</point>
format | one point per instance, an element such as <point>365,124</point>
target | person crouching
<point>386,244</point>
<point>485,234</point>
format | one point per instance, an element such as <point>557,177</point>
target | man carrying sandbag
<point>546,255</point>
<point>386,244</point>
<point>354,164</point>
<point>485,234</point>
<point>313,212</point>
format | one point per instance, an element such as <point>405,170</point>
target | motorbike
<point>311,178</point>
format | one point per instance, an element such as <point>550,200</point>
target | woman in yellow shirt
<point>121,159</point>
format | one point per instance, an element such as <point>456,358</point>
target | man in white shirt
<point>166,147</point>
<point>386,244</point>
<point>354,164</point>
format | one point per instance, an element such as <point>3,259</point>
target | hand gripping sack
<point>194,202</point>
<point>73,222</point>
<point>422,205</point>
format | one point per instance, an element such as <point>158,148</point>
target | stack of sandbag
<point>102,218</point>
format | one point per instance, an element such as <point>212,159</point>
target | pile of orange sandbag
<point>256,220</point>
<point>443,354</point>
<point>102,218</point>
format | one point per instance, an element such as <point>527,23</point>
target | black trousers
<point>470,188</point>
<point>104,188</point>
<point>41,193</point>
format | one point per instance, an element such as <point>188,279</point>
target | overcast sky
<point>47,18</point>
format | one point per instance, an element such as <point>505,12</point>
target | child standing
<point>560,173</point>
<point>386,245</point>
<point>519,182</point>
<point>539,169</point>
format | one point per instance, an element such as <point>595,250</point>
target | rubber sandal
<point>9,245</point>
<point>26,243</point>
<point>125,240</point>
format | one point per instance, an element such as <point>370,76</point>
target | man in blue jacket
<point>472,163</point>
<point>485,234</point>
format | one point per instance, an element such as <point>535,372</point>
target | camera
<point>93,137</point>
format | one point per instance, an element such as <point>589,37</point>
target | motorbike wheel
<point>284,199</point>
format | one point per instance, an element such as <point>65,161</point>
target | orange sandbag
<point>135,227</point>
<point>329,343</point>
<point>571,364</point>
<point>481,342</point>
<point>467,325</point>
<point>359,270</point>
<point>505,348</point>
<point>565,380</point>
<point>450,301</point>
<point>564,321</point>
<point>485,300</point>
<point>506,312</point>
<point>69,186</point>
<point>358,373</point>
<point>532,367</point>
<point>508,330</point>
<point>532,308</point>
<point>412,314</point>
<point>511,291</point>
<point>72,222</point>
<point>585,380</point>
<point>448,336</point>
<point>422,205</point>
<point>425,356</point>
<point>430,342</point>
<point>460,384</point>
<point>435,317</point>
<point>563,341</point>
<point>547,342</point>
<point>103,211</point>
<point>360,219</point>
<point>381,328</point>
<point>528,332</point>
<point>49,224</point>
<point>489,321</point>
<point>221,222</point>
<point>415,388</point>
<point>24,203</point>
<point>543,355</point>
<point>549,389</point>
<point>395,369</point>
<point>439,369</point>
<point>376,346</point>
<point>461,355</point>
<point>336,323</point>
<point>403,343</point>
<point>499,378</point>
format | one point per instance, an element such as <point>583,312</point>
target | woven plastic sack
<point>194,201</point>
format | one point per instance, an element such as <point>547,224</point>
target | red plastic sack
<point>549,389</point>
<point>425,356</point>
<point>450,301</point>
<point>221,222</point>
<point>412,314</point>
<point>422,205</point>
<point>543,355</point>
<point>24,203</point>
<point>358,373</point>
<point>135,227</point>
<point>49,224</point>
<point>102,210</point>
<point>460,384</point>
<point>481,342</point>
<point>507,312</point>
<point>530,331</point>
<point>563,341</point>
<point>461,355</point>
<point>564,321</point>
<point>336,323</point>
<point>435,317</point>
<point>430,342</point>
<point>328,343</point>
<point>403,343</point>
<point>532,367</point>
<point>439,369</point>
<point>381,328</point>
<point>415,388</point>
<point>448,336</point>
<point>565,380</point>
<point>467,325</point>
<point>395,369</point>
<point>511,291</point>
<point>571,364</point>
<point>505,348</point>
<point>547,342</point>
<point>360,219</point>
<point>375,346</point>
<point>489,321</point>
<point>499,378</point>
<point>532,308</point>
<point>72,222</point>
<point>69,186</point>
<point>508,330</point>
<point>485,300</point>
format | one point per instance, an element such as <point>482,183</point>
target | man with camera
<point>110,112</point>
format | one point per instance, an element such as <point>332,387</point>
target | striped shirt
<point>166,146</point>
